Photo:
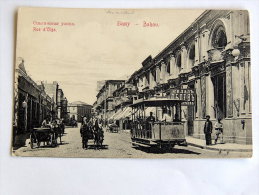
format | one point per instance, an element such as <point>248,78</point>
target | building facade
<point>212,59</point>
<point>31,104</point>
<point>51,90</point>
<point>77,110</point>
<point>61,104</point>
<point>104,105</point>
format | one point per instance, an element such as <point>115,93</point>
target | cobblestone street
<point>118,145</point>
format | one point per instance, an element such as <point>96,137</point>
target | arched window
<point>179,61</point>
<point>219,38</point>
<point>192,55</point>
<point>153,73</point>
<point>168,68</point>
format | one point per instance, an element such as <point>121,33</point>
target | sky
<point>82,46</point>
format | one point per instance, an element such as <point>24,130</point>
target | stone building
<point>211,57</point>
<point>123,97</point>
<point>105,101</point>
<point>52,90</point>
<point>31,104</point>
<point>79,109</point>
<point>61,104</point>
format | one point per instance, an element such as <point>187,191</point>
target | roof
<point>155,102</point>
<point>79,103</point>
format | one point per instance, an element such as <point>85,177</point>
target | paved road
<point>118,146</point>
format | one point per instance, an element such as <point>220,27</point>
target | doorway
<point>219,83</point>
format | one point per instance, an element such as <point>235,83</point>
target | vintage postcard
<point>132,83</point>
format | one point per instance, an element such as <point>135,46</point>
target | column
<point>183,59</point>
<point>162,72</point>
<point>242,80</point>
<point>203,96</point>
<point>210,97</point>
<point>172,66</point>
<point>198,98</point>
<point>204,44</point>
<point>157,74</point>
<point>151,80</point>
<point>229,92</point>
<point>197,51</point>
<point>236,90</point>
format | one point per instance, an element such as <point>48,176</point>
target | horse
<point>86,134</point>
<point>98,137</point>
<point>57,129</point>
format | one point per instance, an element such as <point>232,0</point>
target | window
<point>179,61</point>
<point>192,56</point>
<point>154,74</point>
<point>168,68</point>
<point>219,38</point>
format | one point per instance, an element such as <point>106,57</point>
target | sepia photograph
<point>132,83</point>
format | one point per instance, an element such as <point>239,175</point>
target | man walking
<point>208,130</point>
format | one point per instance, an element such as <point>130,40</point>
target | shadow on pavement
<point>103,147</point>
<point>156,150</point>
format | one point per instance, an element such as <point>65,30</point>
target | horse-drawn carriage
<point>46,135</point>
<point>113,128</point>
<point>92,132</point>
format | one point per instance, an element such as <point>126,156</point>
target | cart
<point>43,134</point>
<point>113,128</point>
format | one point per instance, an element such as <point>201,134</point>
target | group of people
<point>56,126</point>
<point>55,123</point>
<point>208,127</point>
<point>92,128</point>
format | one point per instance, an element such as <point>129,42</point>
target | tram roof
<point>155,102</point>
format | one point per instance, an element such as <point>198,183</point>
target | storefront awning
<point>124,114</point>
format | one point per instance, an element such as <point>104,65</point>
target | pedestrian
<point>208,130</point>
<point>219,130</point>
<point>149,123</point>
<point>176,118</point>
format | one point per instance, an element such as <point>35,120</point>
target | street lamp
<point>24,104</point>
<point>235,52</point>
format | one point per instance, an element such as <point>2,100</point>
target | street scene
<point>118,145</point>
<point>116,94</point>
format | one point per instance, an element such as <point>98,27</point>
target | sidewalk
<point>219,147</point>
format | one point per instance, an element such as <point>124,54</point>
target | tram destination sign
<point>185,95</point>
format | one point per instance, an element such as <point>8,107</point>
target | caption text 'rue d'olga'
<point>43,26</point>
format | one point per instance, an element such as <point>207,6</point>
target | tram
<point>150,131</point>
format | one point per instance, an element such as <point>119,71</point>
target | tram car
<point>149,131</point>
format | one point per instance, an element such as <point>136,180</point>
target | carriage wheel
<point>31,141</point>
